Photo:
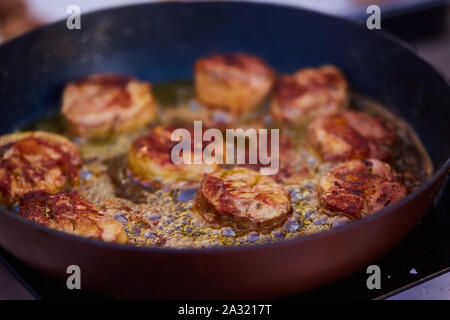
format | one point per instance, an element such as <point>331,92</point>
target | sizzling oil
<point>164,216</point>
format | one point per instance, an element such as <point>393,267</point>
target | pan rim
<point>444,168</point>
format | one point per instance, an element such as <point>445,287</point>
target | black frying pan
<point>159,42</point>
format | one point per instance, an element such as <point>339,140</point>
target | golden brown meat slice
<point>243,199</point>
<point>69,212</point>
<point>292,166</point>
<point>36,161</point>
<point>308,93</point>
<point>149,159</point>
<point>105,104</point>
<point>234,82</point>
<point>372,128</point>
<point>351,135</point>
<point>358,188</point>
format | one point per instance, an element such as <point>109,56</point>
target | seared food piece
<point>292,166</point>
<point>308,93</point>
<point>243,199</point>
<point>351,135</point>
<point>104,104</point>
<point>36,161</point>
<point>149,159</point>
<point>235,82</point>
<point>358,188</point>
<point>69,212</point>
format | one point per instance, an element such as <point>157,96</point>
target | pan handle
<point>442,200</point>
<point>12,287</point>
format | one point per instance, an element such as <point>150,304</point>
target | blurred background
<point>424,24</point>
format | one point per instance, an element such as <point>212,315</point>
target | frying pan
<point>159,42</point>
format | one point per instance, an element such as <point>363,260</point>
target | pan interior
<point>164,217</point>
<point>35,67</point>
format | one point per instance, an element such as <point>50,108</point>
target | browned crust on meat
<point>351,135</point>
<point>360,187</point>
<point>341,141</point>
<point>156,145</point>
<point>235,82</point>
<point>379,134</point>
<point>150,158</point>
<point>71,213</point>
<point>243,199</point>
<point>308,93</point>
<point>105,104</point>
<point>36,161</point>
